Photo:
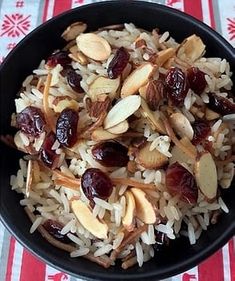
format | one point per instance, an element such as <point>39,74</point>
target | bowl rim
<point>177,267</point>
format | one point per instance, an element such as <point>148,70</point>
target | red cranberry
<point>47,155</point>
<point>74,80</point>
<point>59,57</point>
<point>201,130</point>
<point>196,79</point>
<point>220,104</point>
<point>31,121</point>
<point>54,229</point>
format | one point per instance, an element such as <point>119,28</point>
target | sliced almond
<point>103,85</point>
<point>130,211</point>
<point>187,143</point>
<point>119,128</point>
<point>206,175</point>
<point>179,156</point>
<point>65,103</point>
<point>191,48</point>
<point>150,159</point>
<point>164,56</point>
<point>101,135</point>
<point>155,123</point>
<point>181,125</point>
<point>89,222</point>
<point>78,56</point>
<point>122,110</point>
<point>143,90</point>
<point>211,115</point>
<point>74,30</point>
<point>136,79</point>
<point>29,178</point>
<point>144,209</point>
<point>93,46</point>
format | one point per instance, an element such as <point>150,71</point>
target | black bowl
<point>179,256</point>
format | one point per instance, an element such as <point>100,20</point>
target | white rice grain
<point>36,224</point>
<point>80,252</point>
<point>103,204</point>
<point>139,253</point>
<point>223,205</point>
<point>104,250</point>
<point>191,234</point>
<point>75,239</point>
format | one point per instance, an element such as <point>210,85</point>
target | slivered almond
<point>119,128</point>
<point>191,48</point>
<point>155,123</point>
<point>144,209</point>
<point>101,135</point>
<point>164,55</point>
<point>65,103</point>
<point>29,178</point>
<point>103,85</point>
<point>211,115</point>
<point>150,159</point>
<point>181,125</point>
<point>136,79</point>
<point>72,31</point>
<point>206,175</point>
<point>122,110</point>
<point>89,222</point>
<point>130,211</point>
<point>93,46</point>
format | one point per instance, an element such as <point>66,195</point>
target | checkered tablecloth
<point>18,18</point>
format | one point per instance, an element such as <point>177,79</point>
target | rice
<point>51,194</point>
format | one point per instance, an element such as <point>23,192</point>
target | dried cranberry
<point>111,154</point>
<point>66,127</point>
<point>66,69</point>
<point>220,104</point>
<point>161,240</point>
<point>54,229</point>
<point>176,86</point>
<point>96,183</point>
<point>179,181</point>
<point>47,155</point>
<point>74,80</point>
<point>196,79</point>
<point>118,63</point>
<point>31,121</point>
<point>201,130</point>
<point>59,57</point>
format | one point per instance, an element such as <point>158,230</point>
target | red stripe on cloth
<point>32,268</point>
<point>212,17</point>
<point>231,248</point>
<point>10,259</point>
<point>61,6</point>
<point>194,8</point>
<point>212,268</point>
<point>45,10</point>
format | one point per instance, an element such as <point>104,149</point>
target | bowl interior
<point>25,57</point>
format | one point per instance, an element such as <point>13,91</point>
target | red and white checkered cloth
<point>18,18</point>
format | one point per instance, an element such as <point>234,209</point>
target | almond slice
<point>103,85</point>
<point>144,209</point>
<point>181,125</point>
<point>179,156</point>
<point>122,110</point>
<point>119,128</point>
<point>156,124</point>
<point>191,48</point>
<point>93,46</point>
<point>29,178</point>
<point>65,103</point>
<point>206,175</point>
<point>211,115</point>
<point>130,211</point>
<point>72,31</point>
<point>101,135</point>
<point>150,159</point>
<point>164,55</point>
<point>143,91</point>
<point>136,79</point>
<point>89,222</point>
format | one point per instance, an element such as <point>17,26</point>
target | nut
<point>206,175</point>
<point>88,221</point>
<point>97,108</point>
<point>137,79</point>
<point>103,85</point>
<point>74,30</point>
<point>122,110</point>
<point>93,46</point>
<point>144,209</point>
<point>211,115</point>
<point>119,128</point>
<point>155,91</point>
<point>142,91</point>
<point>78,56</point>
<point>130,211</point>
<point>101,135</point>
<point>191,48</point>
<point>181,125</point>
<point>60,103</point>
<point>164,55</point>
<point>150,159</point>
<point>155,122</point>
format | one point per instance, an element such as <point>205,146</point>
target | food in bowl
<point>129,140</point>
